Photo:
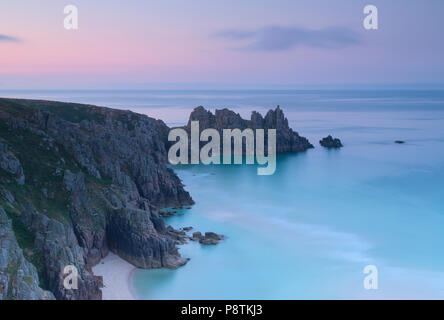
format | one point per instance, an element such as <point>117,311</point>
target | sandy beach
<point>117,275</point>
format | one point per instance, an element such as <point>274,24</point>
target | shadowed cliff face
<point>78,181</point>
<point>287,140</point>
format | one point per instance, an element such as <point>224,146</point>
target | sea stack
<point>287,140</point>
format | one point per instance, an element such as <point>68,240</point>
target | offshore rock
<point>211,238</point>
<point>330,142</point>
<point>18,277</point>
<point>287,140</point>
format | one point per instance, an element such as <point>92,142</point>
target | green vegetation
<point>25,239</point>
<point>14,107</point>
<point>72,112</point>
<point>43,167</point>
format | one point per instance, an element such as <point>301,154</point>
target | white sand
<point>117,278</point>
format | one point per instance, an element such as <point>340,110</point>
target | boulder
<point>196,236</point>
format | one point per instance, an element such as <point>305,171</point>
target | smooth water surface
<point>309,230</point>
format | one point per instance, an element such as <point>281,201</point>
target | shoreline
<point>117,276</point>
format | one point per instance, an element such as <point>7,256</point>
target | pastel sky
<point>139,43</point>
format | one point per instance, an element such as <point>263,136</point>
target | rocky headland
<point>76,182</point>
<point>287,140</point>
<point>80,181</point>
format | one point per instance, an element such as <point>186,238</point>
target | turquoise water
<point>310,229</point>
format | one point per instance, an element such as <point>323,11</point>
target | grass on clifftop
<point>72,112</point>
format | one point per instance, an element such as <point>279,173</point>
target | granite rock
<point>18,277</point>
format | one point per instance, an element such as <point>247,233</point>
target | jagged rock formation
<point>287,140</point>
<point>210,238</point>
<point>18,277</point>
<point>181,236</point>
<point>330,142</point>
<point>95,178</point>
<point>140,237</point>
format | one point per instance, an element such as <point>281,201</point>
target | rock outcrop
<point>59,247</point>
<point>330,142</point>
<point>10,163</point>
<point>18,277</point>
<point>140,237</point>
<point>95,180</point>
<point>210,238</point>
<point>287,140</point>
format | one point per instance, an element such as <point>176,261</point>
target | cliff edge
<point>75,182</point>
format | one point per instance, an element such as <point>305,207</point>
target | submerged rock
<point>330,142</point>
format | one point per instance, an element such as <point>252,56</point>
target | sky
<point>143,44</point>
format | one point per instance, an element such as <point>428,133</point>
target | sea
<point>311,230</point>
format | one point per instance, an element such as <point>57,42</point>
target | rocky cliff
<point>75,182</point>
<point>287,140</point>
